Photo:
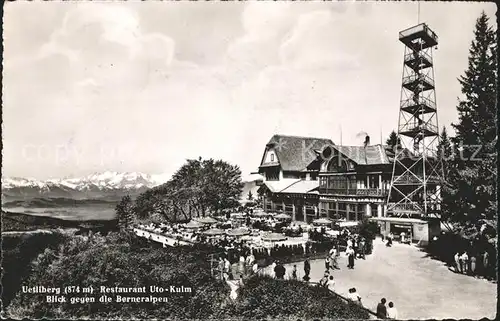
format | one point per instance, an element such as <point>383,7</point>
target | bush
<point>265,297</point>
<point>19,250</point>
<point>121,260</point>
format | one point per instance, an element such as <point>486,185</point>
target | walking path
<point>421,288</point>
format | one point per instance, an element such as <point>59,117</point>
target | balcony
<point>424,129</point>
<point>423,105</point>
<point>404,208</point>
<point>418,83</point>
<point>418,37</point>
<point>372,192</point>
<point>418,60</point>
<point>375,192</point>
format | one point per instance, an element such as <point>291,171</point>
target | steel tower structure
<point>417,171</point>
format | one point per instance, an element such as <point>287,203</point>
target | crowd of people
<point>475,265</point>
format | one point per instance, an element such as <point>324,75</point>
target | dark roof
<point>369,155</point>
<point>295,153</point>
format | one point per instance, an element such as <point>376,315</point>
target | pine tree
<point>124,213</point>
<point>445,151</point>
<point>393,140</point>
<point>473,178</point>
<point>250,196</point>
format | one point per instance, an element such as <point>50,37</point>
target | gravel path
<point>421,288</point>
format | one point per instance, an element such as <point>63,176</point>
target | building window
<point>272,157</point>
<point>332,210</point>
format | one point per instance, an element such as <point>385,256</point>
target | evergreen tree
<point>124,213</point>
<point>473,175</point>
<point>445,151</point>
<point>250,196</point>
<point>393,139</point>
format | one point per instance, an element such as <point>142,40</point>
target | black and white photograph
<point>242,160</point>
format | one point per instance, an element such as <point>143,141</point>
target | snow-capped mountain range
<point>96,185</point>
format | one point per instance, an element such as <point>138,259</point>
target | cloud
<point>167,81</point>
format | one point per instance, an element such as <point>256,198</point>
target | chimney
<point>367,140</point>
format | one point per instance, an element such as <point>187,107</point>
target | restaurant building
<point>354,181</point>
<point>309,178</point>
<point>290,167</point>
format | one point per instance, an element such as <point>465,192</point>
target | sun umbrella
<point>323,221</point>
<point>238,232</point>
<point>283,217</point>
<point>213,232</point>
<point>237,216</point>
<point>273,237</point>
<point>193,224</point>
<point>206,220</point>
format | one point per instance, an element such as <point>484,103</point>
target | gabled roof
<point>369,155</point>
<point>295,153</point>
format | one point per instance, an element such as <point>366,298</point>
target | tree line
<point>200,187</point>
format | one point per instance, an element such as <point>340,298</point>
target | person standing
<point>220,268</point>
<point>227,268</point>
<point>355,245</point>
<point>350,258</point>
<point>458,268</point>
<point>242,264</point>
<point>294,272</point>
<point>327,263</point>
<point>473,265</point>
<point>273,269</point>
<point>382,309</point>
<point>465,262</point>
<point>349,242</point>
<point>392,312</point>
<point>362,245</point>
<point>333,260</point>
<point>486,259</point>
<point>280,271</point>
<point>307,269</point>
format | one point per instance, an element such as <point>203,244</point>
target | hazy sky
<point>143,86</point>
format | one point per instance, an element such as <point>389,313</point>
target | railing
<point>353,192</point>
<point>418,28</point>
<point>420,78</point>
<point>407,207</point>
<point>372,192</point>
<point>338,191</point>
<point>421,101</point>
<point>419,127</point>
<point>416,56</point>
<point>406,179</point>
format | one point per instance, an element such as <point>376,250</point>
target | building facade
<point>309,178</point>
<point>290,166</point>
<point>354,182</point>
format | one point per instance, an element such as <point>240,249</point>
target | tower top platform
<point>418,37</point>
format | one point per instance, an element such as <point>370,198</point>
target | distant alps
<point>105,185</point>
